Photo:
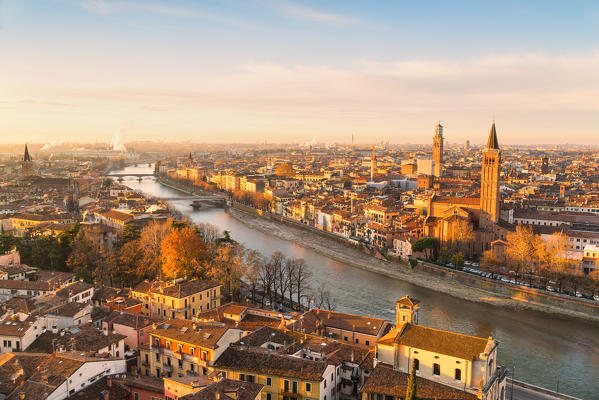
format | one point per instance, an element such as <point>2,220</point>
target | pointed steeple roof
<point>492,143</point>
<point>26,157</point>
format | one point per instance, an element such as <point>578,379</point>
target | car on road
<point>550,289</point>
<point>596,297</point>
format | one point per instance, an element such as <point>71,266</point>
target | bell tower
<point>489,191</point>
<point>406,311</point>
<point>26,164</point>
<point>438,150</point>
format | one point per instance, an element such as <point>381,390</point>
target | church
<point>470,224</point>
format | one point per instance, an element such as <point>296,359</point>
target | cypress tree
<point>411,390</point>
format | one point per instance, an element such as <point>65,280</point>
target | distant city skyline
<point>298,72</point>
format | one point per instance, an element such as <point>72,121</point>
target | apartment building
<point>181,299</point>
<point>284,377</point>
<point>185,348</point>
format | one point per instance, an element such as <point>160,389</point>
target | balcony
<point>167,368</point>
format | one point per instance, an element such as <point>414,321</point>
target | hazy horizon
<point>298,71</point>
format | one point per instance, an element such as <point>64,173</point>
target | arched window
<point>458,374</point>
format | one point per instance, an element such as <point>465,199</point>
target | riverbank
<point>341,252</point>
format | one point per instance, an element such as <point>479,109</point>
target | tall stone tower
<point>489,190</point>
<point>438,150</point>
<point>26,164</point>
<point>545,165</point>
<point>372,164</point>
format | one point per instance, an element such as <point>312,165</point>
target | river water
<point>542,349</point>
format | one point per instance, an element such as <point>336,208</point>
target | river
<point>543,349</point>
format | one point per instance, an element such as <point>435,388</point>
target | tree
<point>149,243</point>
<point>301,278</point>
<point>183,253</point>
<point>254,262</point>
<point>322,298</point>
<point>86,261</point>
<point>411,389</point>
<point>457,259</point>
<point>520,247</point>
<point>428,245</point>
<point>126,263</point>
<point>444,255</point>
<point>228,268</point>
<point>413,262</point>
<point>281,283</point>
<point>208,232</point>
<point>130,233</point>
<point>463,236</point>
<point>268,278</point>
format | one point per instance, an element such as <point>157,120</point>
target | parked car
<point>596,297</point>
<point>579,294</point>
<point>550,289</point>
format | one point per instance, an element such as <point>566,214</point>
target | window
<point>357,341</point>
<point>436,369</point>
<point>286,386</point>
<point>268,381</point>
<point>368,343</point>
<point>294,387</point>
<point>135,396</point>
<point>416,364</point>
<point>458,374</point>
<point>268,396</point>
<point>242,377</point>
<point>345,338</point>
<point>308,387</point>
<point>250,378</point>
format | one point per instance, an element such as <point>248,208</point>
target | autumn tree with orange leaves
<point>184,253</point>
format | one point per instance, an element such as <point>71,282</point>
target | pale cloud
<point>305,13</point>
<point>106,7</point>
<point>541,95</point>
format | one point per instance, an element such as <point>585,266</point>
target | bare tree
<point>289,269</point>
<point>254,261</point>
<point>268,279</point>
<point>208,232</point>
<point>277,262</point>
<point>301,278</point>
<point>322,298</point>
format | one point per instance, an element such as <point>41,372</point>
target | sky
<point>299,71</point>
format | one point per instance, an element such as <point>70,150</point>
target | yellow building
<point>23,222</point>
<point>284,377</point>
<point>454,360</point>
<point>181,348</point>
<point>183,300</point>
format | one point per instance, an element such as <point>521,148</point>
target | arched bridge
<point>199,198</point>
<point>132,175</point>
